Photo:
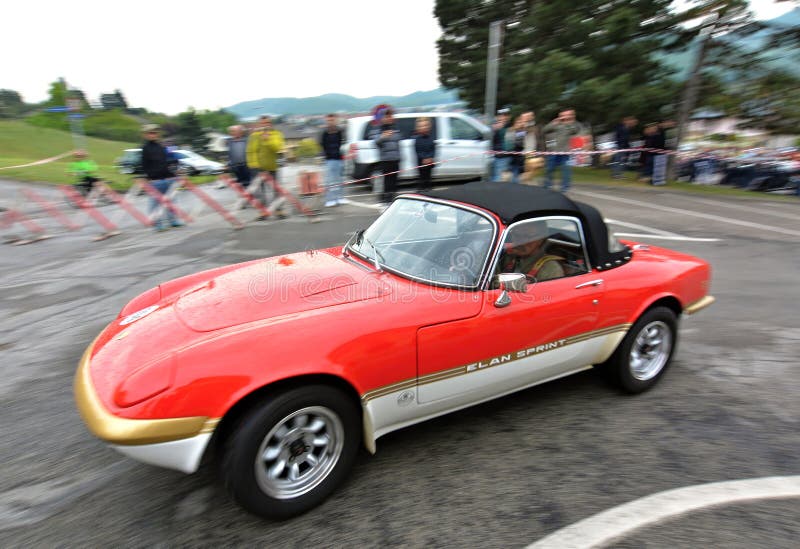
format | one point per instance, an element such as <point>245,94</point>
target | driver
<point>524,252</point>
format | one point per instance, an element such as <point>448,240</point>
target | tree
<point>191,132</point>
<point>788,33</point>
<point>11,104</point>
<point>770,101</point>
<point>719,23</point>
<point>57,93</point>
<point>113,100</point>
<point>219,120</point>
<point>596,56</point>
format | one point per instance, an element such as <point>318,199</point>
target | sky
<point>169,55</point>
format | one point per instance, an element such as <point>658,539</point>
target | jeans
<point>425,176</point>
<point>516,169</point>
<point>499,166</point>
<point>389,179</point>
<point>333,180</point>
<point>553,161</point>
<point>162,186</point>
<point>659,170</point>
<point>618,165</point>
<point>242,174</point>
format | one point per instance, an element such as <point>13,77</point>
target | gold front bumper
<point>699,305</point>
<point>130,432</point>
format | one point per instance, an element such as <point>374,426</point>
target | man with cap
<point>158,166</point>
<point>525,252</point>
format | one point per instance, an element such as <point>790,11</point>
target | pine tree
<point>191,132</point>
<point>595,56</point>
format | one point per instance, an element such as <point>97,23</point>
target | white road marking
<point>762,211</point>
<point>691,213</point>
<point>364,204</point>
<point>667,237</point>
<point>640,227</point>
<point>602,528</point>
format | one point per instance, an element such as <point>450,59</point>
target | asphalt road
<point>503,474</point>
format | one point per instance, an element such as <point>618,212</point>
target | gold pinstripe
<point>462,370</point>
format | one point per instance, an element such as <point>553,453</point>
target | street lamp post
<point>495,43</point>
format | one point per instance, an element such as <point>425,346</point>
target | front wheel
<point>645,352</point>
<point>289,453</point>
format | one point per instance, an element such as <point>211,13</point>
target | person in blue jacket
<point>425,147</point>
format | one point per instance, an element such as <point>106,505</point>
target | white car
<point>196,164</point>
<point>189,161</point>
<point>461,146</point>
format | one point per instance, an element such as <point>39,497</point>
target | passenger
<point>526,253</point>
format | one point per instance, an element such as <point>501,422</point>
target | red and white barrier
<point>246,195</point>
<point>75,197</point>
<point>285,195</point>
<point>165,201</point>
<point>37,233</point>
<point>230,218</point>
<point>51,209</point>
<point>123,202</point>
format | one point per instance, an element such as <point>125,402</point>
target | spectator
<point>425,147</point>
<point>653,141</point>
<point>387,139</point>
<point>532,162</point>
<point>85,170</point>
<point>158,168</point>
<point>331,143</point>
<point>515,141</point>
<point>237,156</point>
<point>623,141</point>
<point>557,135</point>
<point>669,139</point>
<point>263,148</point>
<point>529,122</point>
<point>501,160</point>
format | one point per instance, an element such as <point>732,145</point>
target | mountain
<point>334,102</point>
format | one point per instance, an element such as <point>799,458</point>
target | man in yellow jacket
<point>263,147</point>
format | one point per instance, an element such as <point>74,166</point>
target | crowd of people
<point>516,146</point>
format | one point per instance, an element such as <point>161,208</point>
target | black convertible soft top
<point>511,203</point>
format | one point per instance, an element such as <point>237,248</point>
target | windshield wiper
<point>345,251</point>
<point>359,238</point>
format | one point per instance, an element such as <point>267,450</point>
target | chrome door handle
<point>596,282</point>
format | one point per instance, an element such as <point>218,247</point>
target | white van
<point>461,146</point>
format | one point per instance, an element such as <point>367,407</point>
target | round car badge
<point>405,398</point>
<point>137,315</point>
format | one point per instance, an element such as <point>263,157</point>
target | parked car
<point>195,164</point>
<point>189,162</point>
<point>461,146</point>
<point>284,366</point>
<point>130,162</point>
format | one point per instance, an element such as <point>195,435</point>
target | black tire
<point>247,478</point>
<point>636,365</point>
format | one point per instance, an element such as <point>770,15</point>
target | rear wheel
<point>289,453</point>
<point>645,352</point>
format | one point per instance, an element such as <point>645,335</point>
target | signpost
<point>72,108</point>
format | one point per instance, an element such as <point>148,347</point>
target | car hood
<point>276,287</point>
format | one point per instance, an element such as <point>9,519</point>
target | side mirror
<point>509,282</point>
<point>512,282</point>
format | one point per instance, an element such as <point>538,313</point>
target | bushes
<point>113,124</point>
<point>307,148</point>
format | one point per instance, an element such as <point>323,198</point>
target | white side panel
<point>183,455</point>
<point>475,384</point>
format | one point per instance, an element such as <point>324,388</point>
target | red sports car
<point>284,366</point>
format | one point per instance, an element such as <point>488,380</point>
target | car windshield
<point>428,241</point>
